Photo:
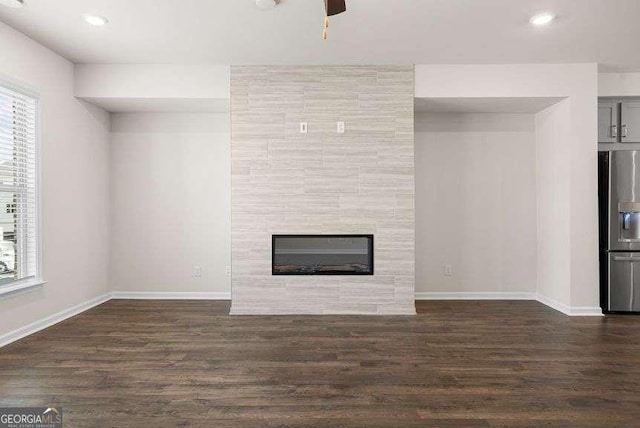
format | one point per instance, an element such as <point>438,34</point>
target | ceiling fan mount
<point>332,7</point>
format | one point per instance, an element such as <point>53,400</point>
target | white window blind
<point>18,187</point>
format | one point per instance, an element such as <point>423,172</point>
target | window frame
<point>17,285</point>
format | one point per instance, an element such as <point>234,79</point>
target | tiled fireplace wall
<point>322,182</point>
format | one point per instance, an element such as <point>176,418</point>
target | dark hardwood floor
<point>456,364</point>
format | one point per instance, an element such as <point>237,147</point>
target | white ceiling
<point>371,31</point>
<point>161,105</point>
<point>522,105</point>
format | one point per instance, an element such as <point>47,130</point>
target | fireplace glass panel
<point>322,255</point>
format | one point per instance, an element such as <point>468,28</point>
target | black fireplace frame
<point>342,273</point>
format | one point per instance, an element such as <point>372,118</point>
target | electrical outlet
<point>448,270</point>
<point>303,127</point>
<point>197,271</point>
<point>340,127</point>
<point>227,270</point>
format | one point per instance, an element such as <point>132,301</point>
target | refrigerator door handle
<point>626,259</point>
<point>629,207</point>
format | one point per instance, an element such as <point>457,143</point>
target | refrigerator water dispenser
<point>629,213</point>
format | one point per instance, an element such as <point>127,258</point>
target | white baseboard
<point>554,304</point>
<point>169,295</point>
<point>574,311</point>
<point>475,296</point>
<point>36,326</point>
<point>586,311</point>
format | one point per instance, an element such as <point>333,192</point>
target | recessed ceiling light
<point>12,3</point>
<point>266,4</point>
<point>96,20</point>
<point>542,18</point>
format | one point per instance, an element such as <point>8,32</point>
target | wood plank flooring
<point>456,364</point>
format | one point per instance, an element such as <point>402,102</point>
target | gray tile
<point>331,179</point>
<point>361,181</point>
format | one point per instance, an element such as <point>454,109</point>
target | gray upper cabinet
<point>630,122</point>
<point>608,122</point>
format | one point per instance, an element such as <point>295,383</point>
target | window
<point>18,187</point>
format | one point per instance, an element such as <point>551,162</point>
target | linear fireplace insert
<point>322,254</point>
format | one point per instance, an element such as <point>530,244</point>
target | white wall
<point>553,199</point>
<point>154,87</point>
<point>170,199</point>
<point>619,84</point>
<point>75,183</point>
<point>151,81</point>
<point>579,84</point>
<point>475,203</point>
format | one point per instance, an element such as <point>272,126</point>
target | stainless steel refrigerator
<point>619,206</point>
